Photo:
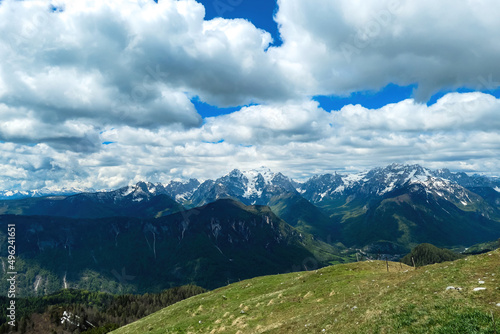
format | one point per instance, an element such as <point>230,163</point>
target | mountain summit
<point>382,181</point>
<point>251,187</point>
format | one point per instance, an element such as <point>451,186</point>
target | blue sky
<point>103,94</point>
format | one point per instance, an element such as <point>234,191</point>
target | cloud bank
<point>459,132</point>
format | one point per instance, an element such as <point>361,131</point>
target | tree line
<point>89,312</point>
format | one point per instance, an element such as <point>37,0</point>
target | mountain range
<point>258,186</point>
<point>392,204</point>
<point>244,224</point>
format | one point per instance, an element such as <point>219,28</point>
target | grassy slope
<point>351,298</point>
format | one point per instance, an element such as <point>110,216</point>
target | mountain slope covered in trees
<point>210,246</point>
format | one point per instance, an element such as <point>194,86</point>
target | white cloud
<point>459,132</point>
<point>471,111</point>
<point>345,46</point>
<point>117,58</point>
<point>136,63</point>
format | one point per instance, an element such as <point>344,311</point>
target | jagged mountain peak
<point>264,173</point>
<point>257,178</point>
<point>255,186</point>
<point>402,169</point>
<point>141,190</point>
<point>235,173</point>
<point>384,180</point>
<point>396,175</point>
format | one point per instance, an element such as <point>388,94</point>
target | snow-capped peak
<point>381,181</point>
<point>138,192</point>
<point>265,172</point>
<point>253,186</point>
<point>256,180</point>
<point>17,194</point>
<point>128,190</point>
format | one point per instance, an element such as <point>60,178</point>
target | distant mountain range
<point>257,186</point>
<point>141,200</point>
<point>399,205</point>
<point>18,194</point>
<point>327,218</point>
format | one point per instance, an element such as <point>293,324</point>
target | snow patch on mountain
<point>353,178</point>
<point>265,172</point>
<point>339,189</point>
<point>382,181</point>
<point>388,189</point>
<point>183,197</point>
<point>181,191</point>
<point>256,181</point>
<point>250,179</point>
<point>251,189</point>
<point>128,191</point>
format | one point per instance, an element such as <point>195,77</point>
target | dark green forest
<point>425,254</point>
<point>89,312</point>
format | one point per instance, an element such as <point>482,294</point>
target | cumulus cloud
<point>346,46</point>
<point>136,63</point>
<point>469,111</point>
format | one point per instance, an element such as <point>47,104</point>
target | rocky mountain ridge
<point>257,186</point>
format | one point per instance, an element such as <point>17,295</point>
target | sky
<point>101,94</point>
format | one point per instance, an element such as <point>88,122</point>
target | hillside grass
<point>347,298</point>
